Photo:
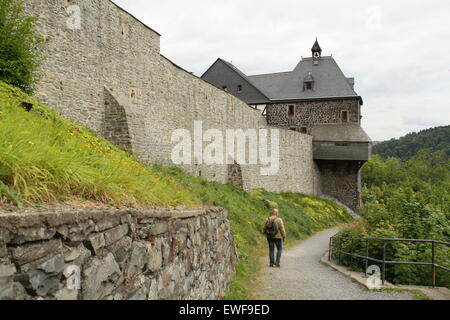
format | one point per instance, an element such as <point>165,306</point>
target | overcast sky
<point>398,51</point>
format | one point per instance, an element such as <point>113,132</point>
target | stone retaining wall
<point>118,254</point>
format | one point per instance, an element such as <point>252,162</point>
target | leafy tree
<point>407,199</point>
<point>407,147</point>
<point>20,53</point>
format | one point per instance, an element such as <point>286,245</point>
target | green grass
<point>47,159</point>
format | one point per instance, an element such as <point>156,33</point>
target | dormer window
<point>239,88</point>
<point>308,83</point>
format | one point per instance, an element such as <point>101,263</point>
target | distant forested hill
<point>408,146</point>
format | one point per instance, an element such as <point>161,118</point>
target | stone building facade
<point>110,254</point>
<point>306,114</point>
<point>315,99</point>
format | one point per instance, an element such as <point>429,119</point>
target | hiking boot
<point>277,265</point>
<point>271,265</point>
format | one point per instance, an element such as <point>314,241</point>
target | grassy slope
<point>46,159</point>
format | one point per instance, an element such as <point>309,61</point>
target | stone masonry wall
<point>309,113</point>
<point>342,181</point>
<point>118,254</point>
<point>115,58</point>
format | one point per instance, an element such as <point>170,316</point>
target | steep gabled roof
<point>241,75</point>
<point>329,81</point>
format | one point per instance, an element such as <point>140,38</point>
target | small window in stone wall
<point>303,130</point>
<point>345,116</point>
<point>291,111</point>
<point>225,88</point>
<point>239,88</point>
<point>293,128</point>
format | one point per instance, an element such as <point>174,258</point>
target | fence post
<point>367,257</point>
<point>340,251</point>
<point>329,248</point>
<point>351,252</point>
<point>384,261</point>
<point>433,261</point>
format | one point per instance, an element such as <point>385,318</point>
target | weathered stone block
<point>133,289</point>
<point>54,265</point>
<point>33,234</point>
<point>80,231</point>
<point>31,252</point>
<point>3,253</point>
<point>154,257</point>
<point>66,294</point>
<point>141,294</point>
<point>95,242</point>
<point>138,259</point>
<point>100,277</point>
<point>6,281</point>
<point>115,234</point>
<point>5,236</point>
<point>77,255</point>
<point>39,282</point>
<point>121,250</point>
<point>153,292</point>
<point>107,223</point>
<point>160,227</point>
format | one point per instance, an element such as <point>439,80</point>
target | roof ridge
<point>244,76</point>
<point>268,74</point>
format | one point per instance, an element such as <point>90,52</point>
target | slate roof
<point>245,77</point>
<point>271,83</point>
<point>329,82</point>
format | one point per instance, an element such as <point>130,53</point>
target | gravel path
<point>303,277</point>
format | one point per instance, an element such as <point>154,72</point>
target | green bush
<point>406,199</point>
<point>20,53</point>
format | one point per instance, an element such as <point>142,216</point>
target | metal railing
<point>383,261</point>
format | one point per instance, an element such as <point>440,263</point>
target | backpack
<point>270,229</point>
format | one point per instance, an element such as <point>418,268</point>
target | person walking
<point>276,234</point>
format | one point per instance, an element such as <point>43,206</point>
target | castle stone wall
<point>308,113</point>
<point>110,254</point>
<point>114,60</point>
<point>342,181</point>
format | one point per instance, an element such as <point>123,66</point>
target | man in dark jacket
<point>275,239</point>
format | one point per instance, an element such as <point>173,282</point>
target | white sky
<point>398,51</point>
